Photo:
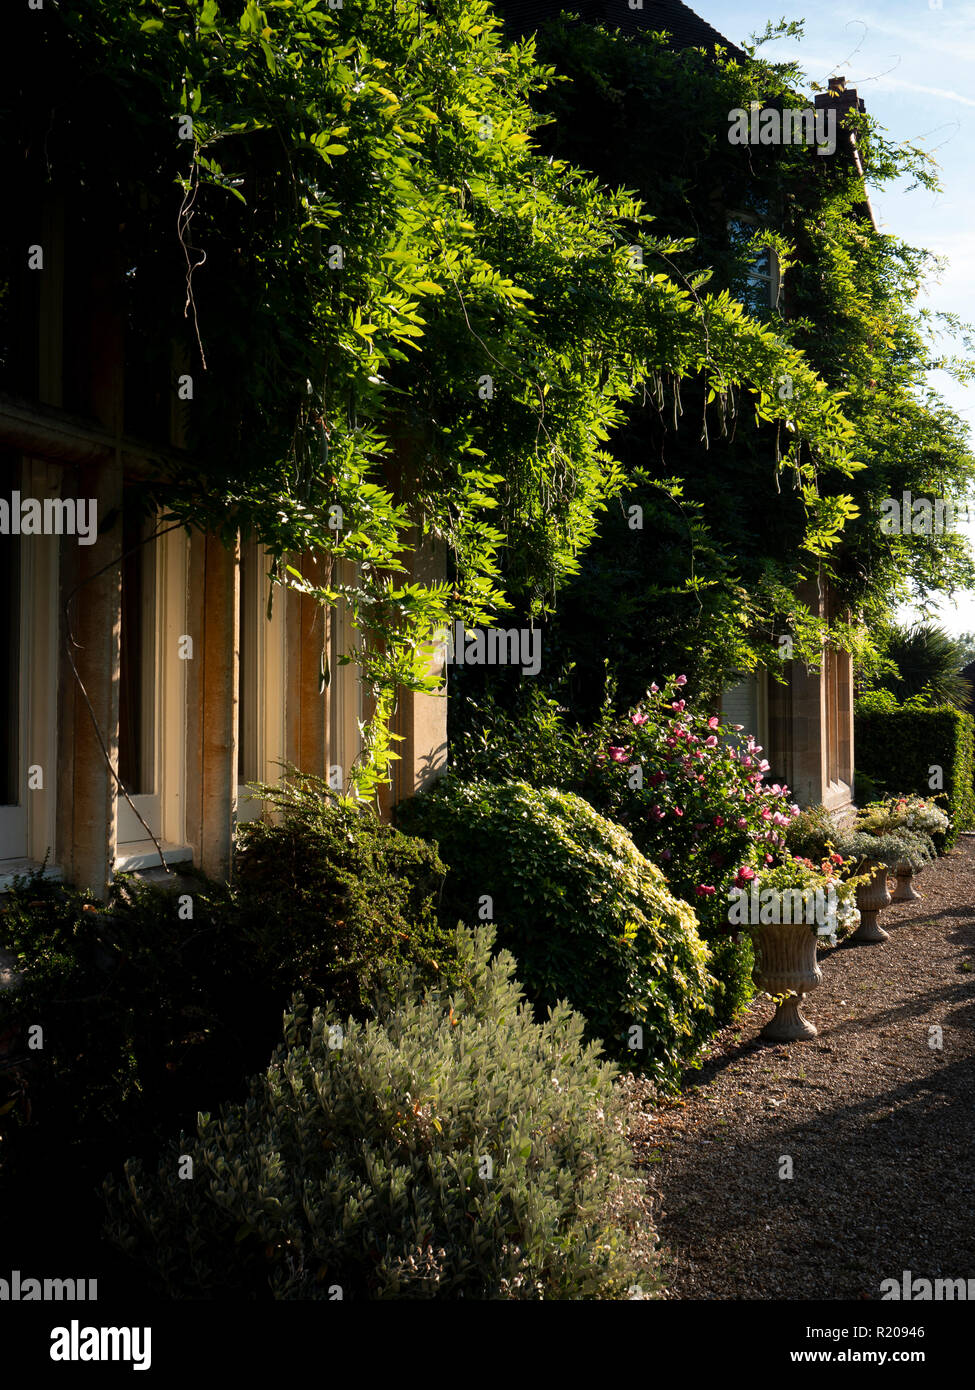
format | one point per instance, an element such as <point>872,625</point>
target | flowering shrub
<point>694,800</point>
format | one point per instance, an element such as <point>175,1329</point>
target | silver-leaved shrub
<point>448,1147</point>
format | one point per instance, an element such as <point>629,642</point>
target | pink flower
<point>681,680</point>
<point>713,722</point>
<point>711,742</point>
<point>656,778</point>
<point>679,706</point>
<point>678,811</point>
<point>741,823</point>
<point>656,812</point>
<point>719,821</point>
<point>768,859</point>
<point>618,755</point>
<point>745,873</point>
<point>704,890</point>
<point>639,719</point>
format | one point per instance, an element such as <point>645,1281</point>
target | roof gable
<point>687,29</point>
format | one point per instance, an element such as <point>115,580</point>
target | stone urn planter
<point>871,897</point>
<point>904,891</point>
<point>785,965</point>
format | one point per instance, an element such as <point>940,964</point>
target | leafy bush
<point>450,1148</point>
<point>813,833</point>
<point>329,894</point>
<point>586,916</point>
<point>900,748</point>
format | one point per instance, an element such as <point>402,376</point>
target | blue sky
<point>912,63</point>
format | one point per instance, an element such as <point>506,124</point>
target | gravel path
<point>878,1123</point>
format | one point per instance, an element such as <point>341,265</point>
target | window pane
<point>9,646</point>
<point>137,665</point>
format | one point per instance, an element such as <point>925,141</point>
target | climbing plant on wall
<point>709,584</point>
<point>405,324</point>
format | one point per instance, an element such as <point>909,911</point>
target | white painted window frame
<point>163,809</point>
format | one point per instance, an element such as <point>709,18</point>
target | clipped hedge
<point>586,916</point>
<point>899,748</point>
<point>450,1148</point>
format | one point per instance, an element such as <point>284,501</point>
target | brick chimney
<point>841,97</point>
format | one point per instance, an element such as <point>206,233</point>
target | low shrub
<point>815,834</point>
<point>450,1148</point>
<point>156,1003</point>
<point>586,916</point>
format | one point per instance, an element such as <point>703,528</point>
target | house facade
<point>145,682</point>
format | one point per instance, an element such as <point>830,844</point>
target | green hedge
<point>898,748</point>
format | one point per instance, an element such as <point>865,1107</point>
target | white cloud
<point>900,85</point>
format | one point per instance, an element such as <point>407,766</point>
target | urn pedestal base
<point>871,898</point>
<point>905,892</point>
<point>786,967</point>
<point>789,1023</point>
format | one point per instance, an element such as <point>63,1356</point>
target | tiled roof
<point>687,29</point>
